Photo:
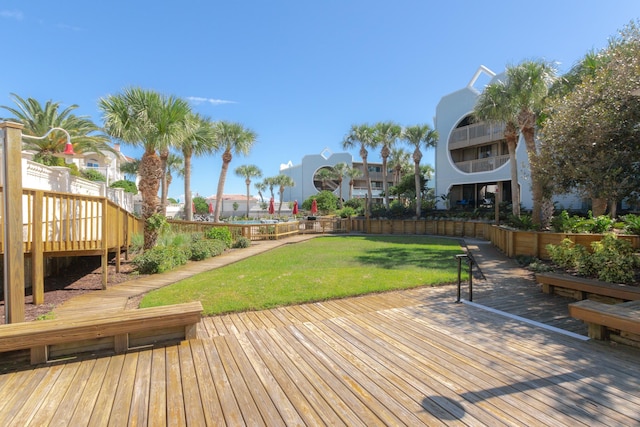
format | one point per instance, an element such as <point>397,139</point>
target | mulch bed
<point>84,275</point>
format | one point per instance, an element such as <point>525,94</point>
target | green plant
<point>137,242</point>
<point>631,224</point>
<point>93,175</point>
<point>613,259</point>
<point>562,255</point>
<point>522,222</point>
<point>160,259</point>
<point>220,233</point>
<point>157,222</point>
<point>346,212</point>
<point>127,186</point>
<point>242,242</point>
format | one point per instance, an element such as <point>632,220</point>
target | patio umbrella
<point>272,208</point>
<point>295,208</point>
<point>314,207</point>
<point>210,207</point>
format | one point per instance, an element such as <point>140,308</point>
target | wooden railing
<point>63,224</point>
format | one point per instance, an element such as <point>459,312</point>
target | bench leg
<point>547,288</point>
<point>39,354</point>
<point>191,331</point>
<point>598,332</point>
<point>121,343</point>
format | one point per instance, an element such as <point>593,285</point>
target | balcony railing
<point>476,134</point>
<point>482,165</point>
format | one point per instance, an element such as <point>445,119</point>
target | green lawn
<point>316,270</point>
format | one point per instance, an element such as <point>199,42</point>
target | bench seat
<point>602,318</point>
<point>582,288</point>
<point>114,327</point>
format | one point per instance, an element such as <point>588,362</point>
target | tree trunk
<point>226,159</point>
<point>536,183</point>
<point>248,182</point>
<point>188,200</point>
<point>598,206</point>
<point>417,157</point>
<point>164,185</point>
<point>385,184</point>
<point>150,174</point>
<point>365,165</point>
<point>511,135</point>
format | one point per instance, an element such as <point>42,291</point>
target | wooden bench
<point>118,331</point>
<point>581,288</point>
<point>603,319</point>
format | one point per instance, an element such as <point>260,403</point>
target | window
<point>93,163</point>
<point>484,152</point>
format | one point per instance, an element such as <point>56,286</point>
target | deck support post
<point>11,136</point>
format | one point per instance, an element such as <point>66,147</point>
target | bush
<point>93,175</point>
<point>220,233</point>
<point>564,223</point>
<point>631,224</point>
<point>523,222</point>
<point>207,248</point>
<point>160,259</point>
<point>346,212</point>
<point>242,242</point>
<point>127,186</point>
<point>612,259</point>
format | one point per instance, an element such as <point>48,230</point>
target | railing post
<point>37,255</point>
<point>11,135</point>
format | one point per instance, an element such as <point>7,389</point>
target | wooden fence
<point>511,242</point>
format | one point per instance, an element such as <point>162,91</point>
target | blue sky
<point>299,73</point>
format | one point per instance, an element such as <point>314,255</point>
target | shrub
<point>346,212</point>
<point>127,186</point>
<point>220,233</point>
<point>203,249</point>
<point>631,224</point>
<point>160,259</point>
<point>562,255</point>
<point>93,175</point>
<point>523,222</point>
<point>613,259</point>
<point>242,242</point>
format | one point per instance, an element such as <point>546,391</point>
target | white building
<point>472,160</point>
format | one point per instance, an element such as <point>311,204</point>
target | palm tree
<point>352,173</point>
<point>325,175</point>
<point>416,136</point>
<point>494,106</point>
<point>175,164</point>
<point>362,136</point>
<point>261,187</point>
<point>398,159</point>
<point>527,86</point>
<point>248,172</point>
<point>341,170</point>
<point>270,183</point>
<point>200,139</point>
<point>283,181</point>
<point>38,120</point>
<point>232,138</point>
<point>130,169</point>
<point>386,134</point>
<point>149,120</point>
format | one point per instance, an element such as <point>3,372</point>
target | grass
<point>318,269</point>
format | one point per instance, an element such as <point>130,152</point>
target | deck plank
<point>158,389</point>
<point>208,394</point>
<point>175,398</point>
<point>123,397</point>
<point>194,411</point>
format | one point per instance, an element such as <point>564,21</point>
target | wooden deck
<point>399,358</point>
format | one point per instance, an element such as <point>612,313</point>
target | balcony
<point>482,165</point>
<point>476,134</point>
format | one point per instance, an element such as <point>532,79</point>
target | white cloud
<point>12,14</point>
<point>199,100</point>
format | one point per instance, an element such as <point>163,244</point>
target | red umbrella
<point>295,207</point>
<point>272,208</point>
<point>314,207</point>
<point>210,207</point>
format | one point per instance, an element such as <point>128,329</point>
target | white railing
<point>482,165</point>
<point>476,134</point>
<point>59,179</point>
